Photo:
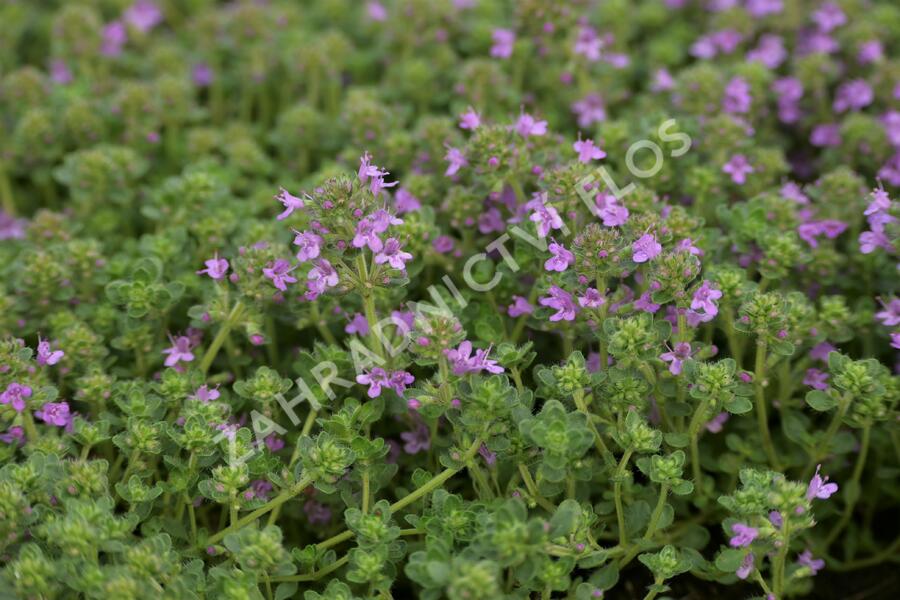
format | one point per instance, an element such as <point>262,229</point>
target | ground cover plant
<point>465,299</point>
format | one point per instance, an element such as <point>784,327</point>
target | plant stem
<point>778,566</point>
<point>578,396</point>
<point>6,195</point>
<point>657,512</point>
<point>694,433</point>
<point>270,505</point>
<point>369,305</point>
<point>433,483</point>
<point>853,484</point>
<point>28,423</point>
<point>821,450</point>
<point>365,492</point>
<point>617,496</point>
<point>318,574</point>
<point>217,342</point>
<point>759,377</point>
<point>652,593</point>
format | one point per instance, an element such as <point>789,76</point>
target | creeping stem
<point>268,506</point>
<point>220,338</point>
<point>617,495</point>
<point>759,379</point>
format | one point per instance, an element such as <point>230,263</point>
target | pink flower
<point>746,567</point>
<point>442,244</point>
<point>890,316</point>
<point>393,255</point>
<point>455,161</point>
<point>825,135</point>
<point>587,151</point>
<point>528,126</point>
<point>645,248</point>
<point>114,37</point>
<point>519,307</point>
<point>180,351</point>
<point>45,356</point>
<point>470,120</point>
<point>819,487</point>
<point>738,167</point>
<point>814,564</point>
<point>216,267</point>
<point>503,43</point>
<point>704,299</point>
<point>560,260</point>
<point>60,73</point>
<point>399,380</point>
<point>14,435</point>
<point>816,379</point>
<point>562,302</point>
<point>15,395</point>
<point>646,303</point>
<point>662,81</point>
<point>417,440</point>
<point>610,211</point>
<point>462,361</point>
<point>310,245</point>
<point>367,235</point>
<point>376,11</point>
<point>358,324</point>
<point>687,245</point>
<point>55,413</point>
<point>405,202</point>
<point>588,44</point>
<point>280,273</point>
<point>743,535</point>
<point>589,110</point>
<point>676,357</point>
<point>375,379</point>
<point>321,277</point>
<point>715,424</point>
<point>546,217</point>
<point>290,202</point>
<point>143,15</point>
<point>592,298</point>
<point>316,512</point>
<point>205,394</point>
<point>372,174</point>
<point>737,98</point>
<point>821,351</point>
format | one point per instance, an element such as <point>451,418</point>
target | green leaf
<point>678,440</point>
<point>729,560</point>
<point>820,401</point>
<point>738,405</point>
<point>285,590</point>
<point>565,519</point>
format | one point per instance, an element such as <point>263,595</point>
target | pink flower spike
<point>216,267</point>
<point>743,535</point>
<point>587,151</point>
<point>55,413</point>
<point>290,202</point>
<point>645,248</point>
<point>280,273</point>
<point>393,254</point>
<point>528,126</point>
<point>180,351</point>
<point>819,487</point>
<point>738,167</point>
<point>560,260</point>
<point>46,356</point>
<point>470,120</point>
